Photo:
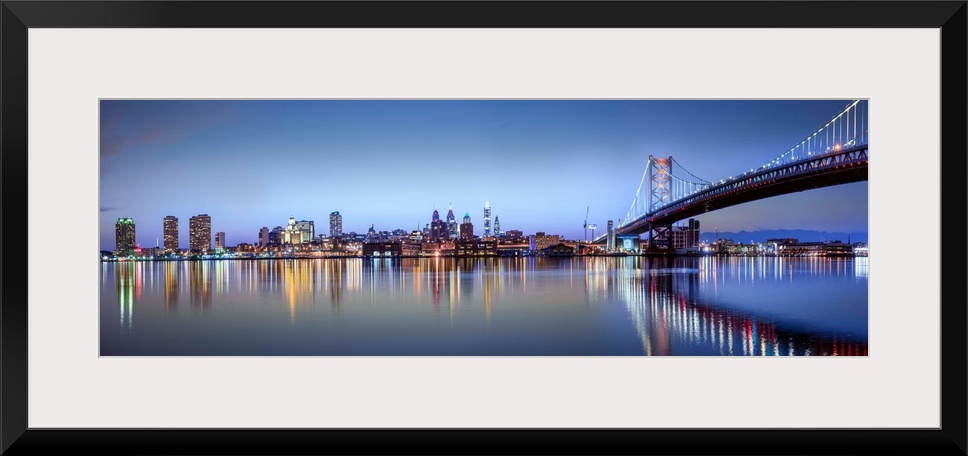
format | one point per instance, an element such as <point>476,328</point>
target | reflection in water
<point>499,306</point>
<point>200,286</point>
<point>171,287</point>
<point>129,282</point>
<point>665,301</point>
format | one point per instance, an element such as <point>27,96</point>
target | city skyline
<point>391,163</point>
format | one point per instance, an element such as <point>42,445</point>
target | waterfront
<point>494,306</point>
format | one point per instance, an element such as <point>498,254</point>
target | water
<point>580,306</point>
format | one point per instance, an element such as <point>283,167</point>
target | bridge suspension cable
<point>633,210</point>
<point>687,172</point>
<point>847,129</point>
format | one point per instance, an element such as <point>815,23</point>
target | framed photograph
<point>355,223</point>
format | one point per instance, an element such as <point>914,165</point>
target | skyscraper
<point>200,233</point>
<point>451,223</point>
<point>171,233</point>
<point>497,226</point>
<point>306,229</point>
<point>487,218</point>
<point>264,236</point>
<point>438,229</point>
<point>220,240</point>
<point>124,235</point>
<point>610,239</point>
<point>467,229</point>
<point>692,240</point>
<point>335,224</point>
<point>277,236</point>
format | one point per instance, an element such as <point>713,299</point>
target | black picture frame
<point>18,16</point>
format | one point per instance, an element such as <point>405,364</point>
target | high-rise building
<point>124,235</point>
<point>220,240</point>
<point>438,229</point>
<point>497,226</point>
<point>467,229</point>
<point>610,242</point>
<point>487,218</point>
<point>170,229</point>
<point>306,230</point>
<point>693,238</point>
<point>200,233</point>
<point>451,223</point>
<point>264,236</point>
<point>335,224</point>
<point>277,236</point>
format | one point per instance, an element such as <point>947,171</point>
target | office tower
<point>264,236</point>
<point>170,230</point>
<point>610,243</point>
<point>200,233</point>
<point>693,238</point>
<point>124,235</point>
<point>438,229</point>
<point>497,226</point>
<point>467,229</point>
<point>220,240</point>
<point>306,230</point>
<point>335,224</point>
<point>277,236</point>
<point>451,223</point>
<point>487,218</point>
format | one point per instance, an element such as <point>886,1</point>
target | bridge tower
<point>660,191</point>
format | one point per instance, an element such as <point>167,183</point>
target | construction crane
<point>585,226</point>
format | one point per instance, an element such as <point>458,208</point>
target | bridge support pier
<point>660,238</point>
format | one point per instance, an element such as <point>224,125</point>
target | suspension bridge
<point>835,154</point>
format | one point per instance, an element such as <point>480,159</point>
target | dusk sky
<point>390,163</point>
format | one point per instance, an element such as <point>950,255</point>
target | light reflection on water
<point>487,306</point>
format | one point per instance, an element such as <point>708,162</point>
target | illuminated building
<point>472,247</point>
<point>487,218</point>
<point>298,232</point>
<point>451,224</point>
<point>264,236</point>
<point>540,241</point>
<point>610,243</point>
<point>693,238</point>
<point>335,224</point>
<point>277,236</point>
<point>220,240</point>
<point>416,236</point>
<point>558,250</point>
<point>466,229</point>
<point>497,226</point>
<point>513,236</point>
<point>200,233</point>
<point>438,229</point>
<point>686,237</point>
<point>306,230</point>
<point>170,230</point>
<point>124,235</point>
<point>390,248</point>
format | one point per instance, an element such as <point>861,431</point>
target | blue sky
<point>390,163</point>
